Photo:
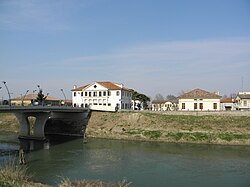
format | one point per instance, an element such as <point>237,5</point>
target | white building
<point>243,101</point>
<point>136,105</point>
<point>105,96</point>
<point>164,105</point>
<point>199,100</point>
<point>227,104</point>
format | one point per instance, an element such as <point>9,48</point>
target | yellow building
<point>30,99</point>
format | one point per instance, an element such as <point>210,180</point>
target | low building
<point>30,99</point>
<point>227,104</point>
<point>164,105</point>
<point>199,100</point>
<point>136,105</point>
<point>105,96</point>
<point>243,101</point>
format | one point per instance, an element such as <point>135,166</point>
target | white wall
<point>110,99</point>
<point>208,104</point>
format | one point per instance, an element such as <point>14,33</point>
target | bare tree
<point>159,97</point>
<point>171,97</point>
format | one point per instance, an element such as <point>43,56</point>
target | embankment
<point>231,128</point>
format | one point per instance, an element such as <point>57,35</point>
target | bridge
<point>38,121</point>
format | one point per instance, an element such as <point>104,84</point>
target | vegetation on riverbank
<point>208,129</point>
<point>8,123</point>
<point>166,127</point>
<point>13,175</point>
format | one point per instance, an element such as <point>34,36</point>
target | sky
<point>152,46</point>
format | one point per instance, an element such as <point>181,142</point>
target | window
<point>82,105</point>
<point>201,106</point>
<point>109,93</point>
<point>104,93</point>
<point>74,104</point>
<point>215,106</point>
<point>100,94</point>
<point>117,93</point>
<point>95,94</point>
<point>74,94</point>
<point>245,103</point>
<point>86,94</point>
<point>81,93</point>
<point>89,94</point>
<point>195,106</point>
<point>183,106</point>
<point>109,104</point>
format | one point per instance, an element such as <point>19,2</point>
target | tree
<point>141,97</point>
<point>159,97</point>
<point>41,97</point>
<point>171,97</point>
<point>233,95</point>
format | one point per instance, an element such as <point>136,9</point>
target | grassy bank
<point>208,129</point>
<point>13,175</point>
<point>8,123</point>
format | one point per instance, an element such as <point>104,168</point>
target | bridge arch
<point>73,121</point>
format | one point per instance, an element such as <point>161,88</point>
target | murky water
<point>141,163</point>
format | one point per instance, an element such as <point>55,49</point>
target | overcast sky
<point>152,46</point>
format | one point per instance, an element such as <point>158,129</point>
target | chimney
<point>75,86</point>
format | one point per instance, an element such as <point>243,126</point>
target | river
<point>144,164</point>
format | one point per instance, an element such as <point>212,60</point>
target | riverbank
<point>231,128</point>
<point>227,128</point>
<point>14,175</point>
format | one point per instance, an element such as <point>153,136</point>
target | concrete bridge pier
<point>38,128</point>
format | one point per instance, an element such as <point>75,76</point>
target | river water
<point>144,164</point>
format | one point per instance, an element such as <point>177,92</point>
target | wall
<point>208,104</point>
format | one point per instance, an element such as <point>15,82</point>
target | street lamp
<point>24,96</point>
<point>64,96</point>
<point>4,82</point>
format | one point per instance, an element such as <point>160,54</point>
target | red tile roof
<point>80,88</point>
<point>227,100</point>
<point>34,96</point>
<point>108,85</point>
<point>199,94</point>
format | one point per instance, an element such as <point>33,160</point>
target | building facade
<point>30,100</point>
<point>199,100</point>
<point>137,105</point>
<point>164,105</point>
<point>105,96</point>
<point>243,101</point>
<point>227,104</point>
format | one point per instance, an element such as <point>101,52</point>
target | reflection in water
<point>142,163</point>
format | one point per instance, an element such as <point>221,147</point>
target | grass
<point>152,134</point>
<point>8,122</point>
<point>95,183</point>
<point>14,175</point>
<point>190,136</point>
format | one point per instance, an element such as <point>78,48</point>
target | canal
<point>144,164</point>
